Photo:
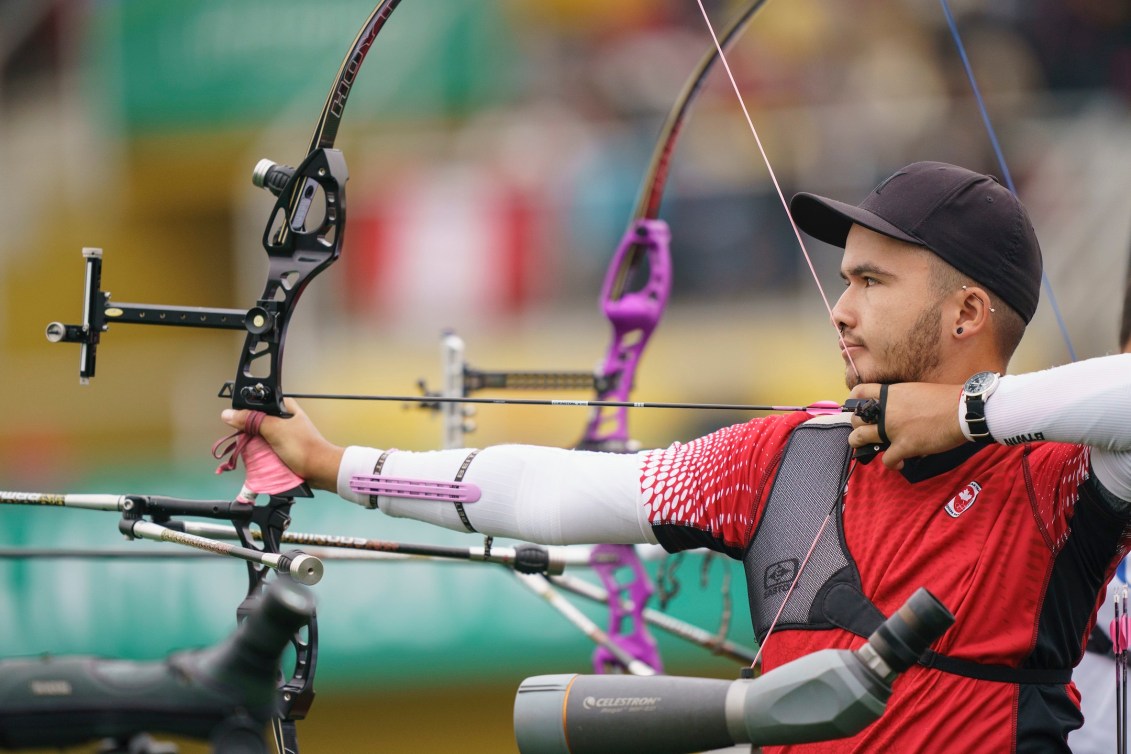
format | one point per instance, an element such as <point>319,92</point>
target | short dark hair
<point>1009,326</point>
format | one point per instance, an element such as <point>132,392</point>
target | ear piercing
<point>992,311</point>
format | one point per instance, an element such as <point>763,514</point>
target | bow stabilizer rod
<point>303,568</point>
<point>523,558</point>
<point>88,502</point>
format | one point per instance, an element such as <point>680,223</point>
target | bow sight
<point>295,256</point>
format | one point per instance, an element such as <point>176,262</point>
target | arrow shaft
<point>563,402</point>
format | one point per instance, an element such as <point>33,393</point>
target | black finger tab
<point>868,409</point>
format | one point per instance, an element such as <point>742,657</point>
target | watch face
<point>980,382</point>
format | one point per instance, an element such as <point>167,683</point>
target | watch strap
<point>972,409</point>
<point>976,428</point>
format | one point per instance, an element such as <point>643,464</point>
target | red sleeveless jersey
<point>1017,541</point>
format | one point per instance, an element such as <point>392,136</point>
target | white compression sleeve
<point>1085,403</point>
<point>536,494</point>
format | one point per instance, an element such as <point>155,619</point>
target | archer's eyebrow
<point>866,269</point>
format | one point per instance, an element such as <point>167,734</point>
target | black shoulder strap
<point>999,673</point>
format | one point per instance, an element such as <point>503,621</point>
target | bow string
<point>643,254</point>
<point>719,45</point>
<point>1006,175</point>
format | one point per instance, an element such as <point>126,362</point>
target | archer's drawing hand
<point>919,419</point>
<point>298,443</point>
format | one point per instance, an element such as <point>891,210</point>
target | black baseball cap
<point>968,219</point>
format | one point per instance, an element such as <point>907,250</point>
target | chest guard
<point>804,512</point>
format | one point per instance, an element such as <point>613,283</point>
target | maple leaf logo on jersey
<point>961,502</point>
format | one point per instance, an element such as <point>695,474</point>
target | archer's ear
<point>973,313</point>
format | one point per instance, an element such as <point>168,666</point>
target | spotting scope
<point>225,694</point>
<point>832,693</point>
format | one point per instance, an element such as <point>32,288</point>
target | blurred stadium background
<point>495,148</point>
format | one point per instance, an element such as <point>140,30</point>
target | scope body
<point>829,694</point>
<point>229,689</point>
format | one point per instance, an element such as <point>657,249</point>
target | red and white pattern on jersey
<point>1058,490</point>
<point>710,484</point>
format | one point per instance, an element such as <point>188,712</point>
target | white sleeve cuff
<point>356,460</point>
<point>1084,403</point>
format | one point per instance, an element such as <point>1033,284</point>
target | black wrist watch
<point>974,394</point>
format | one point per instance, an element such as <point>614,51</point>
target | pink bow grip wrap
<point>266,473</point>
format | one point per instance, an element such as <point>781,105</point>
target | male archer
<point>1008,497</point>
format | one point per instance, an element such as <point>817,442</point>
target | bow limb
<point>326,132</point>
<point>643,255</point>
<point>303,236</point>
<point>298,248</point>
<point>644,252</point>
<point>655,179</point>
